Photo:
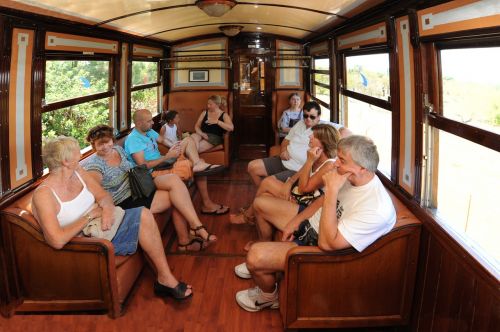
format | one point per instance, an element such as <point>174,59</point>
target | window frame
<point>78,100</point>
<point>51,107</point>
<point>344,93</point>
<point>434,120</point>
<point>146,86</point>
<point>316,83</point>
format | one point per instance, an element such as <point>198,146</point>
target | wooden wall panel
<point>454,292</point>
<point>20,107</point>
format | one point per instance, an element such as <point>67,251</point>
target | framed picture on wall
<point>198,75</point>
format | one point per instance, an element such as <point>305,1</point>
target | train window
<point>471,93</point>
<point>369,75</point>
<point>145,86</point>
<point>365,106</point>
<point>466,183</point>
<point>463,179</point>
<point>77,97</point>
<point>67,79</point>
<point>376,123</point>
<point>320,82</point>
<point>76,120</point>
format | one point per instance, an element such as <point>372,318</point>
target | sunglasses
<point>312,117</point>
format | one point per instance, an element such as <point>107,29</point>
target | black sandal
<point>185,246</point>
<point>194,232</point>
<point>178,292</point>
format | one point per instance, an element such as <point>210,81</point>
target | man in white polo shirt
<point>293,149</point>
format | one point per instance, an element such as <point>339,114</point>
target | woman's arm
<point>46,210</point>
<point>102,197</point>
<point>197,126</point>
<point>283,123</point>
<point>227,124</point>
<point>316,181</point>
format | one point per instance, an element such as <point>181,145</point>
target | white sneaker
<point>251,300</point>
<point>242,271</point>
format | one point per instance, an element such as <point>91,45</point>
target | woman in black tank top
<point>211,125</point>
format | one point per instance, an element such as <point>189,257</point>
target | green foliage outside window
<point>144,72</point>
<point>75,121</point>
<point>70,79</point>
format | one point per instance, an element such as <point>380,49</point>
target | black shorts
<point>130,203</point>
<point>275,167</point>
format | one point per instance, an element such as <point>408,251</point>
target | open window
<point>78,95</point>
<point>146,86</point>
<point>320,85</point>
<point>463,145</point>
<point>365,100</point>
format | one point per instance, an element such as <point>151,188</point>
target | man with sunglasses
<point>293,149</point>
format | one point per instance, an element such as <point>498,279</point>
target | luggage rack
<point>228,64</point>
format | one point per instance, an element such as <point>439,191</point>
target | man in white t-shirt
<point>354,212</point>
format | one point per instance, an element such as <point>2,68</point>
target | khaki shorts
<point>215,139</point>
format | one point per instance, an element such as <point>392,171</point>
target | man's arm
<point>284,151</point>
<point>139,159</point>
<point>329,237</point>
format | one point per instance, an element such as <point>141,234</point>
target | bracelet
<point>89,218</point>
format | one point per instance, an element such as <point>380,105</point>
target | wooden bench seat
<point>346,288</point>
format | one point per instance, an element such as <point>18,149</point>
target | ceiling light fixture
<point>215,8</point>
<point>230,30</point>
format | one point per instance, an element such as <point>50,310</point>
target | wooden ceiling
<point>174,20</point>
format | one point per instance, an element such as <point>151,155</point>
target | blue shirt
<point>137,142</point>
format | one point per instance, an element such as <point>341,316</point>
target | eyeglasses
<point>312,117</point>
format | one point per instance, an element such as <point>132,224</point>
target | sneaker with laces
<point>253,300</point>
<point>242,271</point>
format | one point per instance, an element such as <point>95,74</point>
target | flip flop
<point>217,212</point>
<point>209,170</point>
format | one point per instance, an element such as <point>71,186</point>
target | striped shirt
<point>114,179</point>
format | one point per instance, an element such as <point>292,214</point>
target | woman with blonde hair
<point>70,198</point>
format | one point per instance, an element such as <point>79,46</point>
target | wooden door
<point>252,106</point>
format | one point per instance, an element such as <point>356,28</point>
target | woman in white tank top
<point>63,204</point>
<point>274,199</point>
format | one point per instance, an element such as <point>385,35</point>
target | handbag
<point>93,228</point>
<point>141,182</point>
<point>182,167</point>
<point>306,234</point>
<point>305,198</point>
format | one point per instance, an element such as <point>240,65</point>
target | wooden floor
<point>211,272</point>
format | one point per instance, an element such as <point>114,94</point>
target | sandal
<point>184,247</point>
<point>242,218</point>
<point>178,292</point>
<point>194,232</point>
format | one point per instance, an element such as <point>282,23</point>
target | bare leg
<point>265,259</point>
<point>207,203</point>
<point>271,213</point>
<point>257,171</point>
<point>150,242</point>
<point>175,191</point>
<point>201,144</point>
<point>191,151</point>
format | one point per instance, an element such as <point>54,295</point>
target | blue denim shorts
<point>127,236</point>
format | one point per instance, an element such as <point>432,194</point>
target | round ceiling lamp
<point>215,8</point>
<point>230,30</point>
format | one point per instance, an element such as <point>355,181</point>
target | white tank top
<point>170,134</point>
<point>73,210</point>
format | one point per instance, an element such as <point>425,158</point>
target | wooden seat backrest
<point>190,104</point>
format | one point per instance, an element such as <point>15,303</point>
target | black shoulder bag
<point>141,182</point>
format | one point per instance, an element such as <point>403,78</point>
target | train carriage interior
<point>420,79</point>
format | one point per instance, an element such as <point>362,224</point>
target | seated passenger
<point>141,147</point>
<point>109,166</point>
<point>169,136</point>
<point>354,211</point>
<point>63,203</point>
<point>291,115</point>
<point>211,125</point>
<point>293,155</point>
<point>275,198</point>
